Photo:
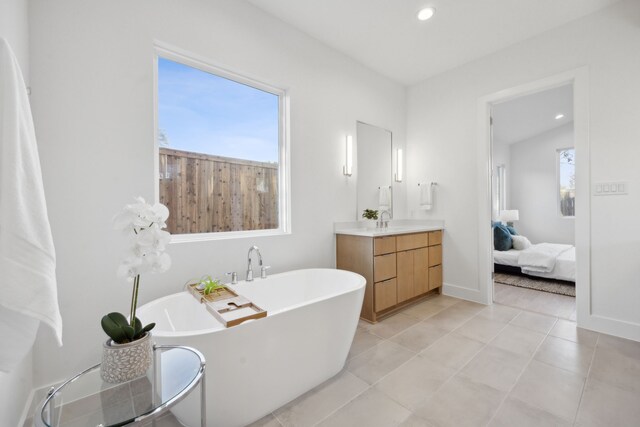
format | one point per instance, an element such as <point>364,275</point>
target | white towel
<point>384,198</point>
<point>426,196</point>
<point>27,256</point>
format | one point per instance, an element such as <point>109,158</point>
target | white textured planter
<point>124,362</point>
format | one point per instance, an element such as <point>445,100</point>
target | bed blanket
<point>541,257</point>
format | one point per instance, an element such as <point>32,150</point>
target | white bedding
<point>565,267</point>
<point>541,258</point>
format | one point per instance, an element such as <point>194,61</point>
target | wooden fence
<point>207,193</point>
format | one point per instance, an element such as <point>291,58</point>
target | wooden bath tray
<point>228,307</point>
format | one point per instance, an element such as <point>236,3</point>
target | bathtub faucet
<point>249,266</point>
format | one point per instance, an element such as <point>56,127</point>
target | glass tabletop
<point>87,400</point>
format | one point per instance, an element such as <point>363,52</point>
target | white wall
<point>533,180</point>
<point>442,140</point>
<point>92,71</point>
<point>15,386</point>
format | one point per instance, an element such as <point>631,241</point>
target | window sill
<point>226,235</point>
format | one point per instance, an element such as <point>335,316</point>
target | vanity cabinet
<point>399,269</point>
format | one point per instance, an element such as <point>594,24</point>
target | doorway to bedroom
<point>533,192</point>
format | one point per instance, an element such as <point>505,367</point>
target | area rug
<point>546,285</point>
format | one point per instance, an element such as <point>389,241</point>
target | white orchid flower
<point>161,213</point>
<point>143,224</point>
<point>153,237</point>
<point>130,267</point>
<point>158,263</point>
<point>124,219</point>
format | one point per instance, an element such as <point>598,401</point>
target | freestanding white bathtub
<point>258,366</point>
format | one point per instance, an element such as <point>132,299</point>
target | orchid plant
<point>142,223</point>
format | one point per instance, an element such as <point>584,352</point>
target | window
<point>501,189</point>
<point>221,150</point>
<point>567,182</point>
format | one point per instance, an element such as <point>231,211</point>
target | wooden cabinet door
<point>435,277</point>
<point>405,275</point>
<point>420,271</point>
<point>385,294</point>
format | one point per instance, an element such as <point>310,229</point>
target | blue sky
<point>204,113</point>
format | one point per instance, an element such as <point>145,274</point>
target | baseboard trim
<point>26,410</point>
<point>36,396</point>
<point>610,326</point>
<point>455,291</point>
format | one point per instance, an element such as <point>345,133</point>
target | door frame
<point>579,79</point>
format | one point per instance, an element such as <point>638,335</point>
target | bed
<point>564,268</point>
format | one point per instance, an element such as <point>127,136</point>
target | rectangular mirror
<point>374,147</point>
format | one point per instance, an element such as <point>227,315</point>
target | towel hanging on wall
<point>426,195</point>
<point>384,198</point>
<point>28,288</point>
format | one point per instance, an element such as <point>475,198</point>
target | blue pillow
<point>512,231</point>
<point>502,238</point>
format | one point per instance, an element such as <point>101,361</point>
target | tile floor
<point>561,306</point>
<point>447,362</point>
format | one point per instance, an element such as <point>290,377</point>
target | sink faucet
<point>382,222</point>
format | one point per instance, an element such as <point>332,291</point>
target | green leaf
<point>210,285</point>
<point>137,326</point>
<point>113,329</point>
<point>118,318</point>
<point>149,327</point>
<point>129,332</point>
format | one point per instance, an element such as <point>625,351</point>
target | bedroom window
<point>567,182</point>
<point>501,189</point>
<point>221,151</point>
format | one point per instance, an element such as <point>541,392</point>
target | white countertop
<point>358,228</point>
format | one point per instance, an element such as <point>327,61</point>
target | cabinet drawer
<point>435,238</point>
<point>384,245</point>
<point>385,294</point>
<point>435,277</point>
<point>435,255</point>
<point>384,267</point>
<point>412,241</point>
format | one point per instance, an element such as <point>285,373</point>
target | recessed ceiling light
<point>559,116</point>
<point>426,13</point>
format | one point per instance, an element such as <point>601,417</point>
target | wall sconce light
<point>399,165</point>
<point>347,169</point>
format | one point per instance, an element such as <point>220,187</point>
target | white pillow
<point>520,243</point>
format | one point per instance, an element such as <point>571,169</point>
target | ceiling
<point>527,116</point>
<point>385,35</point>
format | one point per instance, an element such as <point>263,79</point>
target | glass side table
<point>86,400</point>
